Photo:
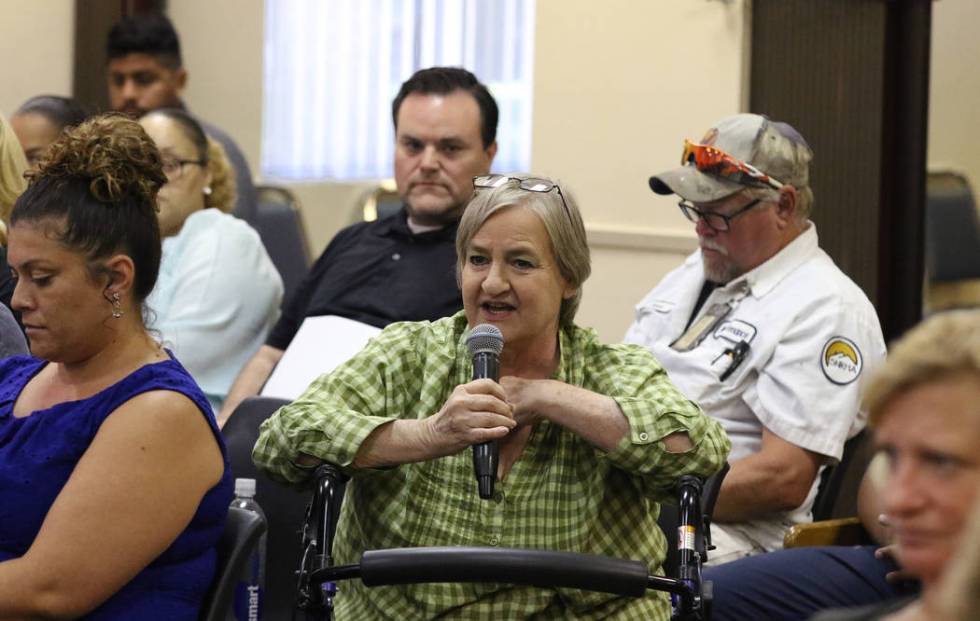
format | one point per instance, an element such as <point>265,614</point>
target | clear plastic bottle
<point>250,590</point>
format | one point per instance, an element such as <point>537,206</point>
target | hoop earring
<point>116,306</point>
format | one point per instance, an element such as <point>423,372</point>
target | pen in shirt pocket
<point>737,354</point>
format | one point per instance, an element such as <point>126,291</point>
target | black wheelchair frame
<point>318,576</point>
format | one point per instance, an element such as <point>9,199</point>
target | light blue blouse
<point>216,298</point>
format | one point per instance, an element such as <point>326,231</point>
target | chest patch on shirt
<point>736,331</point>
<point>841,360</point>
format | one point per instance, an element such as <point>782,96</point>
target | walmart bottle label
<point>248,602</point>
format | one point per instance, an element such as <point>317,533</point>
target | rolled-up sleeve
<point>655,409</point>
<point>339,410</point>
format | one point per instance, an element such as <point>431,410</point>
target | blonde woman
<point>924,407</point>
<point>12,184</point>
<point>12,167</point>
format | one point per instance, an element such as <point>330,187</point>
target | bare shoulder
<point>160,407</point>
<point>135,489</point>
<point>162,425</point>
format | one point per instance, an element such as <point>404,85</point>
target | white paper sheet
<point>320,344</point>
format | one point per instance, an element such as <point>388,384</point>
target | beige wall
<point>954,131</point>
<point>618,85</point>
<point>221,41</point>
<point>37,47</point>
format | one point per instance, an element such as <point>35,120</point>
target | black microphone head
<point>485,339</point>
<point>689,480</point>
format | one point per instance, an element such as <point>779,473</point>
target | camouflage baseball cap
<point>773,148</point>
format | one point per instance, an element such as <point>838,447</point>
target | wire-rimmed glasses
<point>530,184</point>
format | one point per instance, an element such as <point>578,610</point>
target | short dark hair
<point>145,33</point>
<point>445,80</point>
<point>96,187</point>
<point>60,111</point>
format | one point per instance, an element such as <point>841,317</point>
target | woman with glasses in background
<point>219,292</point>
<point>590,436</point>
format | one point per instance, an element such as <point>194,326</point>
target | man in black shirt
<point>400,268</point>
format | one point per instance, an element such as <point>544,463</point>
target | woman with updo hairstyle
<point>219,291</point>
<point>114,481</point>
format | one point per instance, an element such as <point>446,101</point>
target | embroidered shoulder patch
<point>841,360</point>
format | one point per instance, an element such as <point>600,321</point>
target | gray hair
<point>564,227</point>
<point>785,155</point>
<point>804,199</point>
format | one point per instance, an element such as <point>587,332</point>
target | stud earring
<point>116,306</point>
<point>207,190</point>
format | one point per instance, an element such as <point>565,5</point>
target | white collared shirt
<point>813,339</point>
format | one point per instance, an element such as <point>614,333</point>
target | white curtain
<point>332,68</point>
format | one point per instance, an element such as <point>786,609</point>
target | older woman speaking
<point>590,436</point>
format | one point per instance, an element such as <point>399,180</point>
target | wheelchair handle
<point>318,531</point>
<point>541,568</point>
<point>326,496</point>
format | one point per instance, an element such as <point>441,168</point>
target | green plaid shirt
<point>561,494</point>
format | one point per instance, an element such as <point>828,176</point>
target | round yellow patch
<point>841,360</point>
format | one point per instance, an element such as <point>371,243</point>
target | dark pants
<point>794,584</point>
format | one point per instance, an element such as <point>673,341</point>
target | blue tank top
<point>38,454</point>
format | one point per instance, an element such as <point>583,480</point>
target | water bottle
<point>250,589</point>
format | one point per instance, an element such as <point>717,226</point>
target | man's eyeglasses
<point>531,184</point>
<point>718,222</point>
<point>173,168</point>
<point>708,159</point>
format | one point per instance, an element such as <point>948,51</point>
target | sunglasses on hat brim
<point>708,159</point>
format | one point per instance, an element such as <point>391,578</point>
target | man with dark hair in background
<point>402,267</point>
<point>145,71</point>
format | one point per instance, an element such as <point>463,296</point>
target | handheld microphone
<point>485,343</point>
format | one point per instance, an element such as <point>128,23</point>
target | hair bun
<point>111,151</point>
